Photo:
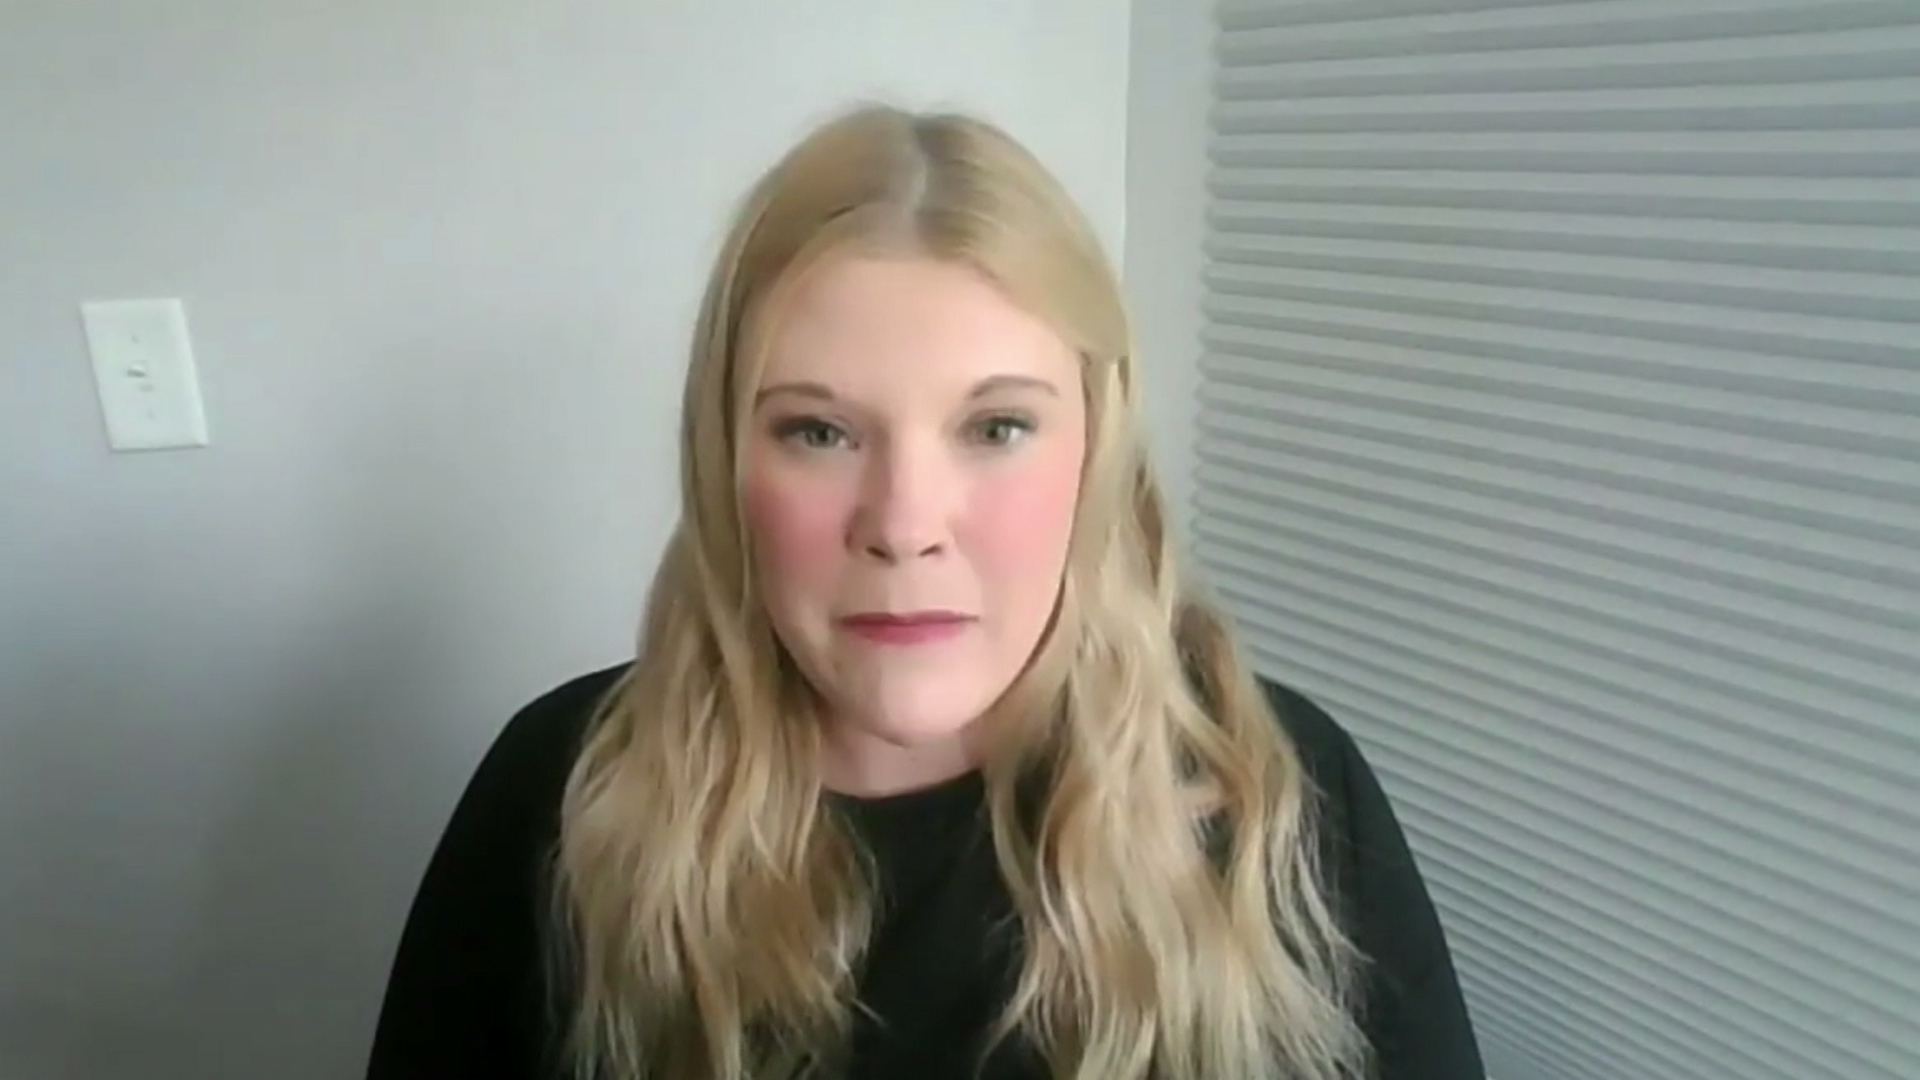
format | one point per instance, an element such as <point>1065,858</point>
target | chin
<point>919,715</point>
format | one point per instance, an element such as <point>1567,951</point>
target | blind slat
<point>1257,33</point>
<point>1516,836</point>
<point>1829,610</point>
<point>1577,308</point>
<point>1856,200</point>
<point>1882,51</point>
<point>1859,104</point>
<point>1734,670</point>
<point>1889,295</point>
<point>1873,471</point>
<point>1761,754</point>
<point>1566,673</point>
<point>1559,428</point>
<point>1696,241</point>
<point>1887,562</point>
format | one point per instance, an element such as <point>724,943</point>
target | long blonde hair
<point>1151,819</point>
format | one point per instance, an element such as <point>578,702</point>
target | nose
<point>906,503</point>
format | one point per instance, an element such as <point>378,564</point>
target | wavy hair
<point>1150,817</point>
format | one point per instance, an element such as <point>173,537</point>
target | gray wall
<point>440,259</point>
<point>1168,93</point>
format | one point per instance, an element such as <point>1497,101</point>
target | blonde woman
<point>931,762</point>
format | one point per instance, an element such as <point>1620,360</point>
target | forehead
<point>870,322</point>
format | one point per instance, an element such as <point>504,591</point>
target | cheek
<point>798,533</point>
<point>1020,525</point>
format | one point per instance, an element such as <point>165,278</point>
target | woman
<point>931,764</point>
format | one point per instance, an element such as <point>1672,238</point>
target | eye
<point>1002,429</point>
<point>811,433</point>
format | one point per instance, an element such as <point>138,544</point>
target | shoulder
<point>1327,752</point>
<point>1352,815</point>
<point>524,773</point>
<point>546,734</point>
<point>1312,729</point>
<point>1414,1013</point>
<point>467,991</point>
<point>558,718</point>
<point>1364,858</point>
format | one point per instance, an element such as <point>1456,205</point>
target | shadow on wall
<point>290,925</point>
<point>234,785</point>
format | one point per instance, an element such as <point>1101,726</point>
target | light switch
<point>143,365</point>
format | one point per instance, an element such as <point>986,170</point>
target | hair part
<point>1151,819</point>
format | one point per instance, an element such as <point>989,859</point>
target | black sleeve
<point>1418,1022</point>
<point>466,995</point>
<point>1414,1013</point>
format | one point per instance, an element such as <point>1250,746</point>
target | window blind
<point>1559,430</point>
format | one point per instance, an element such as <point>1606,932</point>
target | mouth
<point>906,628</point>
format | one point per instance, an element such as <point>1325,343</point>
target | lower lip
<point>908,633</point>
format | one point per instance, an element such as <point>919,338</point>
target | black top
<point>467,999</point>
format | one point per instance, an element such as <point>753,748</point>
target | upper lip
<point>905,618</point>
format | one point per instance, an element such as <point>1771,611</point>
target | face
<point>910,476</point>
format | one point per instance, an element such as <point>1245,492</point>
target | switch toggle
<point>143,367</point>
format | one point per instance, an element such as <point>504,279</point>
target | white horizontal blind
<point>1560,432</point>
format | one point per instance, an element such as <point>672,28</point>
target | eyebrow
<point>991,384</point>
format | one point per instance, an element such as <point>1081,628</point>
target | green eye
<point>1003,430</point>
<point>811,434</point>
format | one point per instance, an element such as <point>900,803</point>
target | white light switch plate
<point>143,366</point>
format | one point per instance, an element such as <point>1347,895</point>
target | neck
<point>865,765</point>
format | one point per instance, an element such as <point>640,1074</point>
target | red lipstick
<point>906,628</point>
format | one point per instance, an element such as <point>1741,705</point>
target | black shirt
<point>467,997</point>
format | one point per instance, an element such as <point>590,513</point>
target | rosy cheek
<point>1021,520</point>
<point>798,529</point>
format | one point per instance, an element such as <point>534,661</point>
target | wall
<point>440,259</point>
<point>1169,90</point>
